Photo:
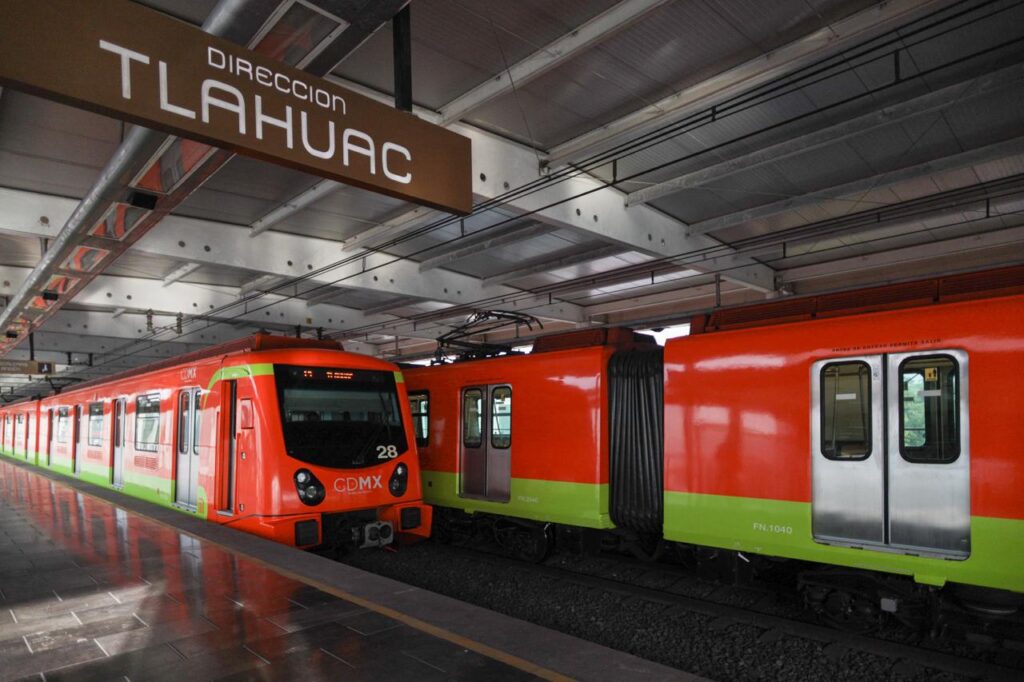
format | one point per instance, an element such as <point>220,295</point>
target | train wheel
<point>534,544</point>
<point>850,612</point>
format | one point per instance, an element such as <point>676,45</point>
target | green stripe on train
<point>142,486</point>
<point>781,528</point>
<point>577,504</point>
<point>241,372</point>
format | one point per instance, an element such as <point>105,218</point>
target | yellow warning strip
<point>439,632</point>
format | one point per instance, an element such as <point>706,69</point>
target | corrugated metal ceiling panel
<point>52,148</point>
<point>674,46</point>
<point>457,46</point>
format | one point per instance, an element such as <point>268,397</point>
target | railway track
<point>904,656</point>
<point>758,610</point>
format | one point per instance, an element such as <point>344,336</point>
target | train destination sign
<point>124,60</point>
<point>25,367</point>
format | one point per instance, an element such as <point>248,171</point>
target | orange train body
<point>235,457</point>
<point>780,431</point>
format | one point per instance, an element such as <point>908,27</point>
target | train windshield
<point>346,419</point>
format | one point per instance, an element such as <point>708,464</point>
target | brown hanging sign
<point>127,61</point>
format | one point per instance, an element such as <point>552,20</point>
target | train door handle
<point>243,455</point>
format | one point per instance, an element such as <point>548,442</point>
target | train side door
<point>929,458</point>
<point>117,441</point>
<point>473,459</point>
<point>485,464</point>
<point>76,450</point>
<point>228,448</point>
<point>848,461</point>
<point>49,435</point>
<point>29,432</point>
<point>187,439</point>
<point>890,459</point>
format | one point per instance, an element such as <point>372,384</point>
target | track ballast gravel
<point>668,634</point>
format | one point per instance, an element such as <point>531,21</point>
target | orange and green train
<point>874,435</point>
<point>294,440</point>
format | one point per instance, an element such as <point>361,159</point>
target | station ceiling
<point>634,162</point>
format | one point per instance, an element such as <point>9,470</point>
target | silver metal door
<point>187,470</point>
<point>848,451</point>
<point>929,490</point>
<point>473,448</point>
<point>117,438</point>
<point>49,434</point>
<point>76,450</point>
<point>28,435</point>
<point>193,483</point>
<point>183,446</point>
<point>499,443</point>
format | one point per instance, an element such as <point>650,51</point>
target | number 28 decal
<point>387,452</point>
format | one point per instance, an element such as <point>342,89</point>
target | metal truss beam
<point>581,203</point>
<point>198,301</point>
<point>600,27</point>
<point>587,205</point>
<point>549,264</point>
<point>972,157</point>
<point>473,245</point>
<point>179,273</point>
<point>287,256</point>
<point>825,42</point>
<point>917,106</point>
<point>1007,244</point>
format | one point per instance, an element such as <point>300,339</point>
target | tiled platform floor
<point>89,591</point>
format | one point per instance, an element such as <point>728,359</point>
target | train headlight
<point>399,480</point>
<point>311,491</point>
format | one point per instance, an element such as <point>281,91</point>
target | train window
<point>184,427</point>
<point>339,418</point>
<point>147,422</point>
<point>472,418</point>
<point>21,419</point>
<point>930,409</point>
<point>846,410</point>
<point>62,425</point>
<point>95,424</point>
<point>196,416</point>
<point>501,417</point>
<point>420,406</point>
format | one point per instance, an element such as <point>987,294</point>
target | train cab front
<point>344,472</point>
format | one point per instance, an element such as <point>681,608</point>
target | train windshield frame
<point>340,418</point>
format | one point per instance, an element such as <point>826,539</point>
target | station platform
<point>96,586</point>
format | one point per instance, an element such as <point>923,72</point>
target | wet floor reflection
<point>91,591</point>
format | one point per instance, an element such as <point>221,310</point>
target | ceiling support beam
<point>293,206</point>
<point>473,244</point>
<point>1008,242</point>
<point>825,42</point>
<point>586,205</point>
<point>323,296</point>
<point>184,271</point>
<point>392,304</point>
<point>550,264</point>
<point>992,152</point>
<point>282,257</point>
<point>405,222</point>
<point>581,202</point>
<point>833,134</point>
<point>261,283</point>
<point>214,304</point>
<point>551,55</point>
